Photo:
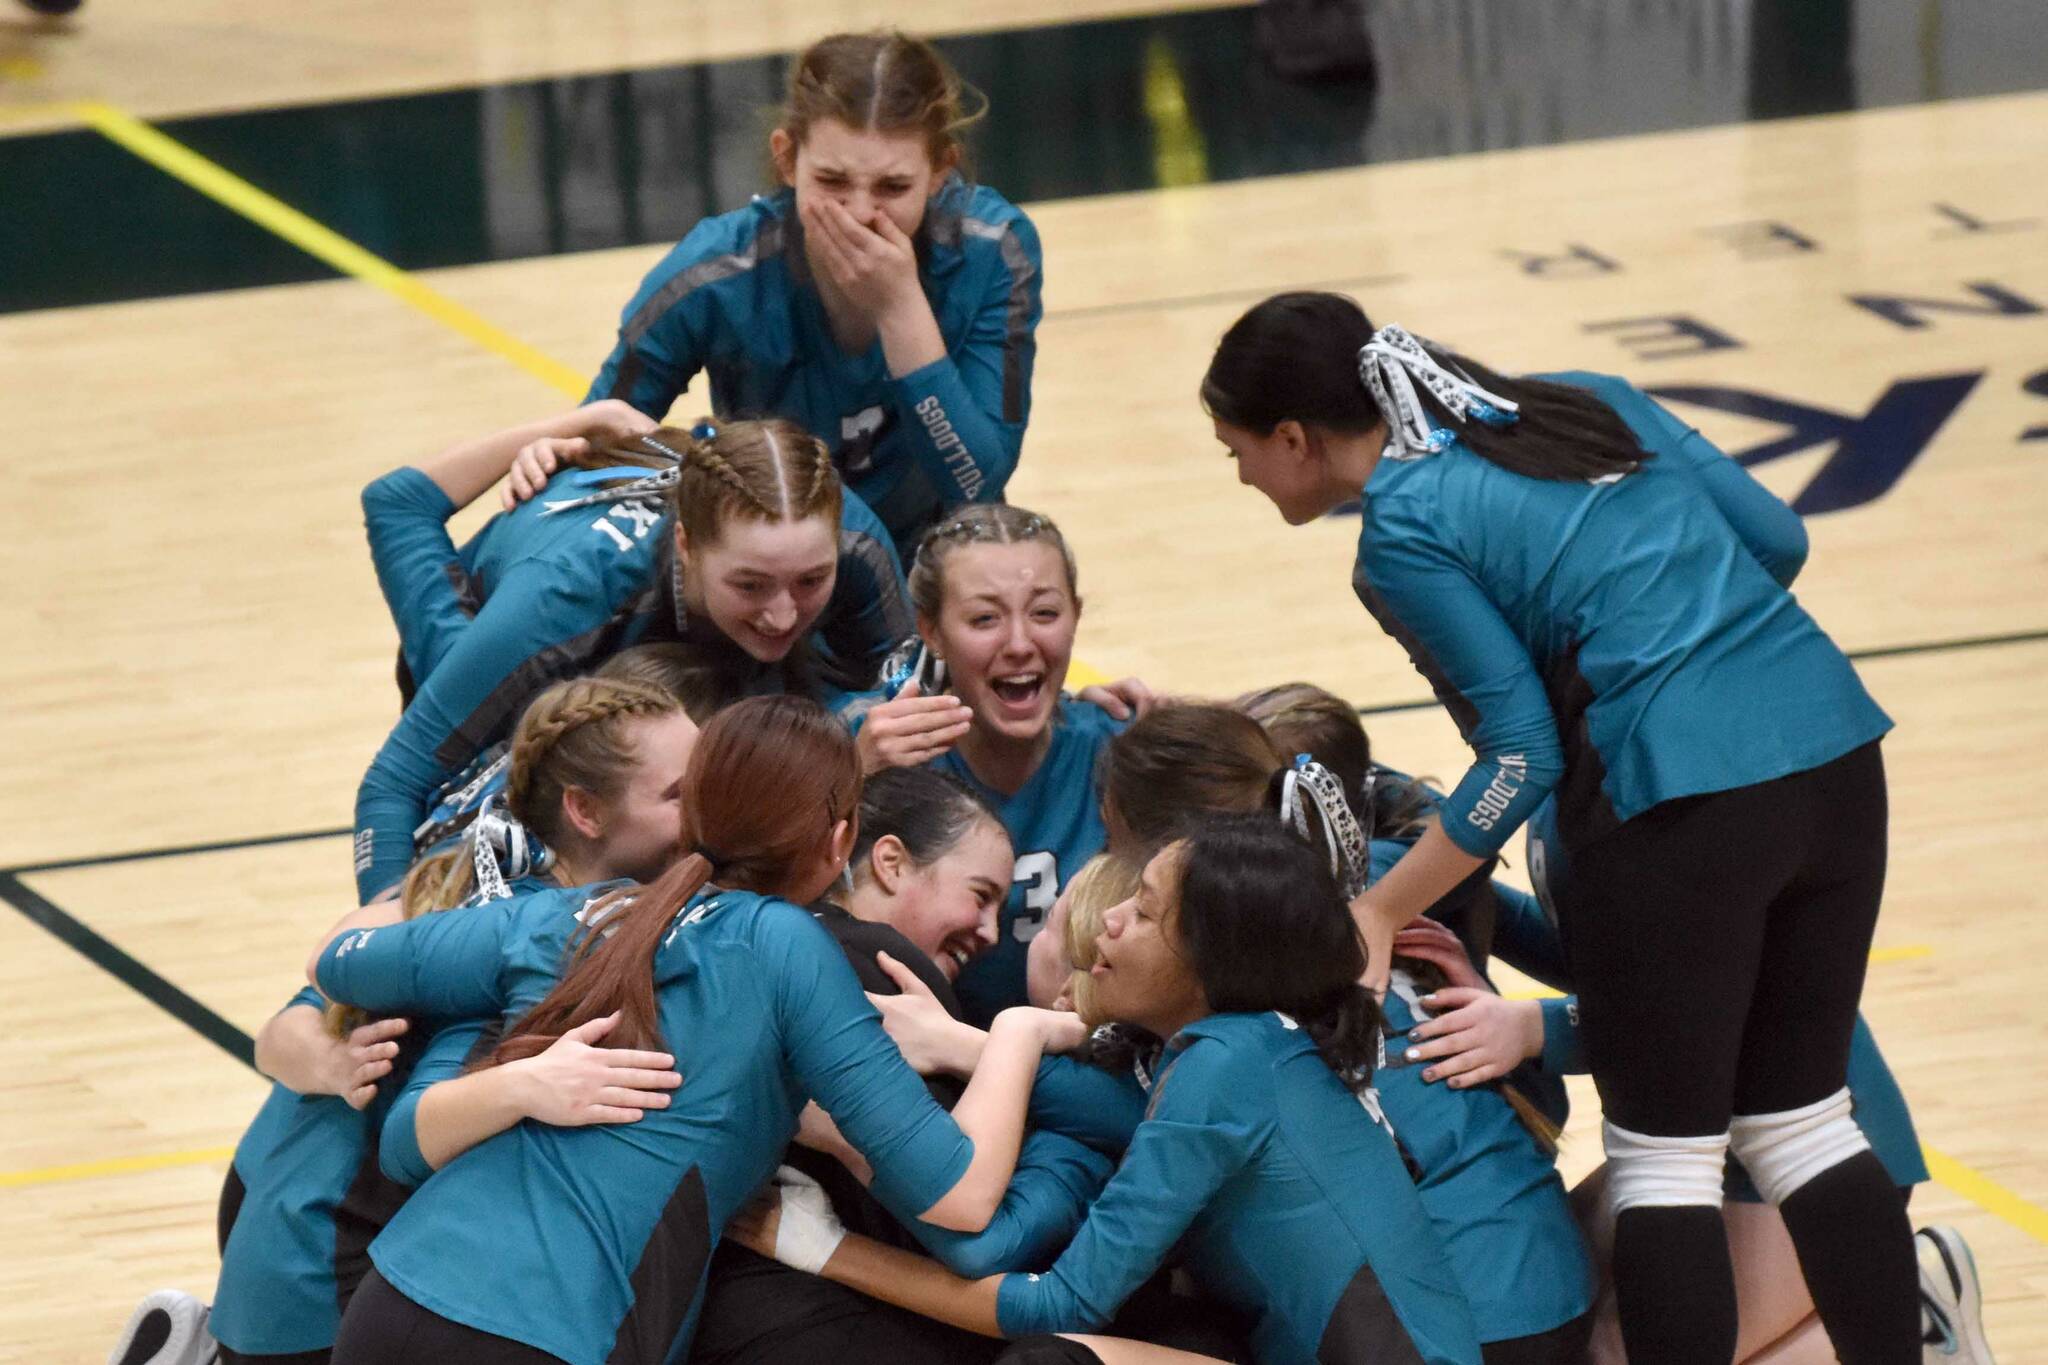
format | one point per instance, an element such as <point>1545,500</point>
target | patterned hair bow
<point>1392,364</point>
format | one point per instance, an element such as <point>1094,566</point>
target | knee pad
<point>1663,1172</point>
<point>1783,1151</point>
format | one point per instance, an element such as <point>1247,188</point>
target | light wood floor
<point>196,651</point>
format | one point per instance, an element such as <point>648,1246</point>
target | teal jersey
<point>1055,826</point>
<point>598,1238</point>
<point>1495,1196</point>
<point>1290,1204</point>
<point>1621,642</point>
<point>312,1200</point>
<point>735,298</point>
<point>549,596</point>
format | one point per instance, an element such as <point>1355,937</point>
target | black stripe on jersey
<point>494,715</point>
<point>767,242</point>
<point>232,1193</point>
<point>947,228</point>
<point>371,1201</point>
<point>669,1277</point>
<point>1364,1329</point>
<point>1583,811</point>
<point>1463,712</point>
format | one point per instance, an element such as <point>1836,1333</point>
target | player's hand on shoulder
<point>1124,699</point>
<point>578,1081</point>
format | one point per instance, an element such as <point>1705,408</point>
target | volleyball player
<point>1600,598</point>
<point>878,299</point>
<point>743,545</point>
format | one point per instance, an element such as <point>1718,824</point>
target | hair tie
<point>1309,781</point>
<point>653,485</point>
<point>1391,365</point>
<point>501,850</point>
<point>709,855</point>
<point>704,430</point>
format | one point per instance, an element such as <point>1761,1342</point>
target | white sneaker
<point>167,1328</point>
<point>1951,1300</point>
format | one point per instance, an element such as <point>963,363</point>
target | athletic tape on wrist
<point>807,1231</point>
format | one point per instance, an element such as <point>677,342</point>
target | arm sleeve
<point>418,570</point>
<point>1056,1180</point>
<point>833,1040</point>
<point>1092,1105</point>
<point>966,411</point>
<point>1525,939</point>
<point>869,614</point>
<point>1564,1052</point>
<point>1771,531</point>
<point>662,330</point>
<point>1423,597</point>
<point>1179,1158</point>
<point>526,636</point>
<point>398,1142</point>
<point>448,964</point>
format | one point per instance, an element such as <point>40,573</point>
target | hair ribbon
<point>1309,781</point>
<point>1392,365</point>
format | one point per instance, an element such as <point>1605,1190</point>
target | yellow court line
<point>120,1165</point>
<point>1987,1193</point>
<point>321,242</point>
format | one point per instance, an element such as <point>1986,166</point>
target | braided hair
<point>767,470</point>
<point>571,735</point>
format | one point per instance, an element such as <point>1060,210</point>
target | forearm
<point>916,1283</point>
<point>294,1050</point>
<point>1422,877</point>
<point>456,1115</point>
<point>991,1115</point>
<point>372,916</point>
<point>910,336</point>
<point>466,470</point>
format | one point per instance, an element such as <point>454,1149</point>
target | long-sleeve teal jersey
<point>584,1242</point>
<point>736,298</point>
<point>1622,642</point>
<point>1495,1196</point>
<point>551,596</point>
<point>1288,1201</point>
<point>311,1201</point>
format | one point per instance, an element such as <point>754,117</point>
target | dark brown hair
<point>1295,357</point>
<point>769,779</point>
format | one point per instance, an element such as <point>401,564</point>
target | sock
<point>1855,1247</point>
<point>1674,1285</point>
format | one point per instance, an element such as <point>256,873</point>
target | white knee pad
<point>1783,1151</point>
<point>1663,1172</point>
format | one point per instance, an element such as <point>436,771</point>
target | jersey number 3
<point>1038,876</point>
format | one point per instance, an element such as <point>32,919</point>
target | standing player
<point>1600,599</point>
<point>878,299</point>
<point>744,544</point>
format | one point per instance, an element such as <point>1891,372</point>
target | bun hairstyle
<point>1265,927</point>
<point>884,82</point>
<point>768,781</point>
<point>1295,357</point>
<point>574,734</point>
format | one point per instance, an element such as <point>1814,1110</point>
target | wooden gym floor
<point>1839,271</point>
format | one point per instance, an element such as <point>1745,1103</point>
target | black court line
<point>103,953</point>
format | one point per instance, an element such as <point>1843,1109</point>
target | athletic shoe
<point>167,1328</point>
<point>1951,1300</point>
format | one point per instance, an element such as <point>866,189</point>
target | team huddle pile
<point>762,957</point>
